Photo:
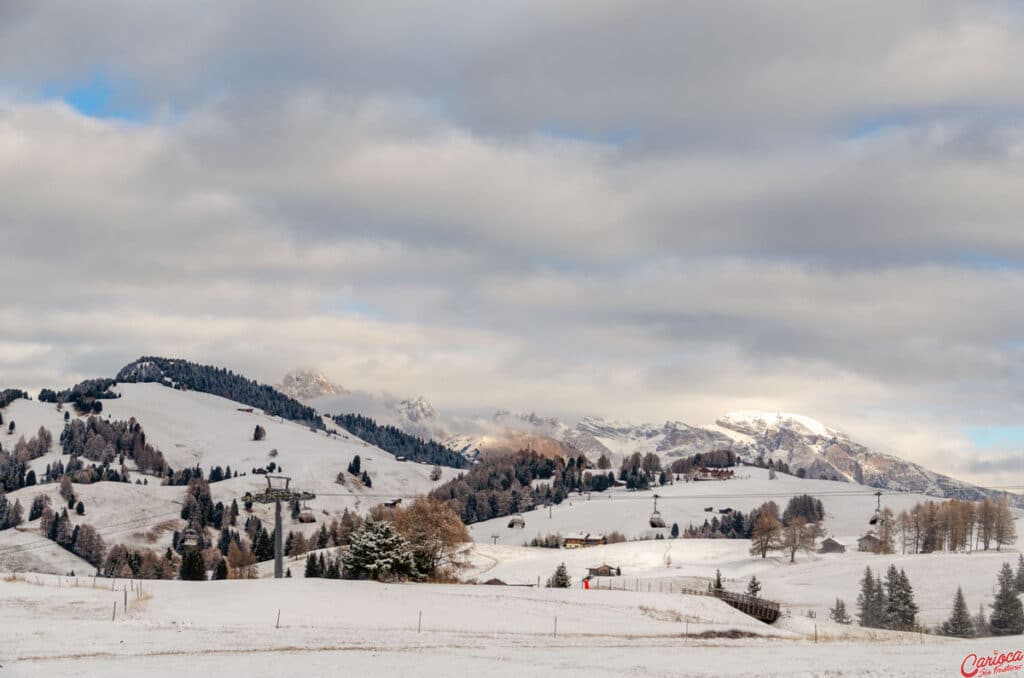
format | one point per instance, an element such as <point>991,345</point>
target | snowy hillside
<point>192,428</point>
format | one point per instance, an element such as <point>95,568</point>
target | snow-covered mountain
<point>306,384</point>
<point>799,441</point>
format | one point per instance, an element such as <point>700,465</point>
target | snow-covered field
<point>230,628</point>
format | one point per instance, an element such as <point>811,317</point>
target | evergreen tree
<point>560,579</point>
<point>366,480</point>
<point>871,601</point>
<point>900,609</point>
<point>718,580</point>
<point>377,551</point>
<point>192,566</point>
<point>1007,618</point>
<point>838,613</point>
<point>80,508</point>
<point>221,570</point>
<point>312,567</point>
<point>1020,573</point>
<point>263,548</point>
<point>354,465</point>
<point>753,587</point>
<point>675,530</point>
<point>959,623</point>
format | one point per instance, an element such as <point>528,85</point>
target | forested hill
<point>399,443</point>
<point>218,381</point>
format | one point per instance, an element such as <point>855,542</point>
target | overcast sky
<point>642,210</point>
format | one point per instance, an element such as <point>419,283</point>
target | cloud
<point>561,208</point>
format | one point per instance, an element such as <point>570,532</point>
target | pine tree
<point>754,587</point>
<point>838,613</point>
<point>80,508</point>
<point>900,609</point>
<point>221,570</point>
<point>312,569</point>
<point>1020,573</point>
<point>675,530</point>
<point>192,566</point>
<point>718,580</point>
<point>959,623</point>
<point>871,601</point>
<point>1007,618</point>
<point>377,551</point>
<point>560,579</point>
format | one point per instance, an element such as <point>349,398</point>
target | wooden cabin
<point>830,545</point>
<point>869,543</point>
<point>604,570</point>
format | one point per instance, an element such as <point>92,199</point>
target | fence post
<point>113,613</point>
<point>277,624</point>
<point>556,626</point>
<point>419,622</point>
<point>125,598</point>
<point>815,633</point>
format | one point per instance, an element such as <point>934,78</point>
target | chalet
<point>603,571</point>
<point>705,473</point>
<point>869,543</point>
<point>582,539</point>
<point>830,545</point>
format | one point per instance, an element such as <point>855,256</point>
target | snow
<point>762,421</point>
<point>231,628</point>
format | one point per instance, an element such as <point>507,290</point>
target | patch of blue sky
<point>996,437</point>
<point>98,96</point>
<point>611,137</point>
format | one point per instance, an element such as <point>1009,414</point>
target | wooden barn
<point>869,543</point>
<point>830,545</point>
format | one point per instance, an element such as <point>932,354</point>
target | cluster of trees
<point>731,526</point>
<point>355,467</point>
<point>502,485</point>
<point>325,566</point>
<point>14,471</point>
<point>770,532</point>
<point>889,604</point>
<point>85,396</point>
<point>804,506</point>
<point>955,525</point>
<point>128,561</point>
<point>11,515</point>
<point>398,442</point>
<point>1007,617</point>
<point>106,441</point>
<point>640,472</point>
<point>82,540</point>
<point>714,459</point>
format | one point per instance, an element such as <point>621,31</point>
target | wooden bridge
<point>758,608</point>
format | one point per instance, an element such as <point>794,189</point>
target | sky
<point>648,210</point>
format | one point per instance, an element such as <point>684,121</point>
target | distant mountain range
<point>799,441</point>
<point>307,384</point>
